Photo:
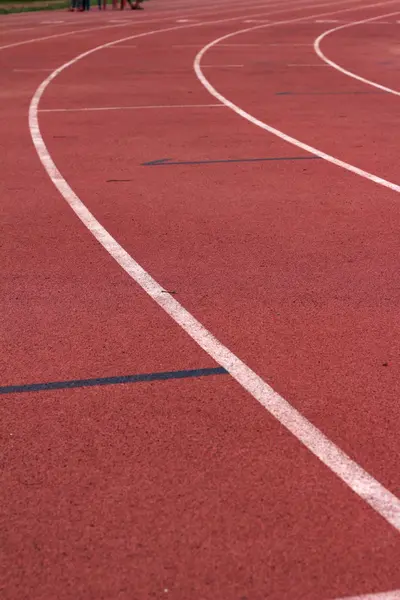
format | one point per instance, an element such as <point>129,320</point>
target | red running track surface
<point>189,488</point>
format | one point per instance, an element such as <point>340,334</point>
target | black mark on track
<point>80,383</point>
<point>167,162</point>
<point>325,93</point>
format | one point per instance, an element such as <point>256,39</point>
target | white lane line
<point>18,30</point>
<point>362,483</point>
<point>56,35</point>
<point>155,106</point>
<point>238,45</point>
<point>31,70</point>
<point>220,46</point>
<point>217,66</point>
<point>331,63</point>
<point>394,595</point>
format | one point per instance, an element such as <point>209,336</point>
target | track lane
<point>135,491</point>
<point>273,8</point>
<point>345,580</point>
<point>380,66</point>
<point>115,19</point>
<point>389,475</point>
<point>295,71</point>
<point>303,298</point>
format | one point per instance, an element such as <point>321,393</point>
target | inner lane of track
<point>314,300</point>
<point>286,261</point>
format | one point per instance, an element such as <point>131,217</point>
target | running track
<point>284,273</point>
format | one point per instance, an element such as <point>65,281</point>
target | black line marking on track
<point>325,93</point>
<point>168,162</point>
<point>80,383</point>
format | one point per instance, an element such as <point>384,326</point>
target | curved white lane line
<point>322,56</point>
<point>393,595</point>
<point>362,483</point>
<point>57,35</point>
<point>284,136</point>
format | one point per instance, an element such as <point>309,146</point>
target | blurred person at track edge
<point>80,5</point>
<point>134,6</point>
<point>102,4</point>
